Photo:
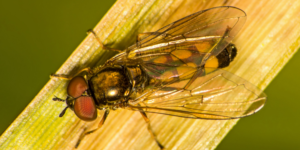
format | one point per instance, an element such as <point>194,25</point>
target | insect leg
<point>139,36</point>
<point>69,77</point>
<point>101,44</point>
<point>89,132</point>
<point>150,129</point>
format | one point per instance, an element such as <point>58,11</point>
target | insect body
<point>173,71</point>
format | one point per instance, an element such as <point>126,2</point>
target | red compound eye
<point>77,86</point>
<point>85,108</point>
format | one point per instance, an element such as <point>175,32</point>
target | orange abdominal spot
<point>203,47</point>
<point>212,62</point>
<point>182,54</point>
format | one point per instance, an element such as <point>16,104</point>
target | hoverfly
<point>175,71</point>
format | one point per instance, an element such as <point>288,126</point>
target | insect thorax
<point>113,85</point>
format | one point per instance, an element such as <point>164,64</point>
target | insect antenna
<point>58,99</point>
<point>63,112</point>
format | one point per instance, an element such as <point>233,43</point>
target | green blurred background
<point>37,37</point>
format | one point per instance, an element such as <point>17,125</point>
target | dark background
<point>37,37</point>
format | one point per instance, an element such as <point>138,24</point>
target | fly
<point>175,71</point>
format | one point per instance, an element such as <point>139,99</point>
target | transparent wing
<point>221,23</point>
<point>157,59</point>
<point>172,61</point>
<point>208,32</point>
<point>202,94</point>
